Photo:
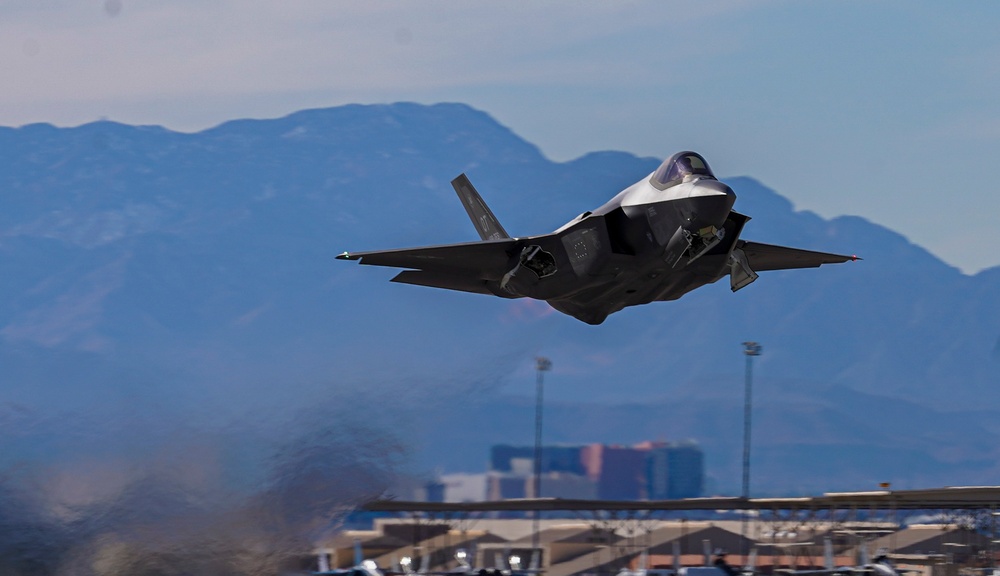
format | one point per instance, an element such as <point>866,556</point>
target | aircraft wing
<point>487,260</point>
<point>770,257</point>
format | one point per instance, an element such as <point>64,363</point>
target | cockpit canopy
<point>674,169</point>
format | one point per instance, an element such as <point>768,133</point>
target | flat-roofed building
<point>649,470</point>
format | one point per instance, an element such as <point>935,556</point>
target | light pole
<point>750,349</point>
<point>542,365</point>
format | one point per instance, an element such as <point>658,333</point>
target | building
<point>564,459</point>
<point>463,487</point>
<point>504,486</point>
<point>675,471</point>
<point>554,485</point>
<point>650,470</point>
<point>620,472</point>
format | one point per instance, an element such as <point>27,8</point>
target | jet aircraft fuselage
<point>658,239</point>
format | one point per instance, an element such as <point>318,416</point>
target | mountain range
<point>157,281</point>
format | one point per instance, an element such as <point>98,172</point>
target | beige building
<point>605,546</point>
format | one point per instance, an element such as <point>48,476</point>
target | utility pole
<point>542,365</point>
<point>750,349</point>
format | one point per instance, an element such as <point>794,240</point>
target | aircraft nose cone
<point>712,188</point>
<point>715,200</point>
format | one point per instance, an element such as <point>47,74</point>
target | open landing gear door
<point>740,273</point>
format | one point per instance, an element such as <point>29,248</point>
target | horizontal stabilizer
<point>763,257</point>
<point>446,281</point>
<point>482,217</point>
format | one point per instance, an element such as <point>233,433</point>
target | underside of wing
<point>763,257</point>
<point>462,283</point>
<point>480,260</point>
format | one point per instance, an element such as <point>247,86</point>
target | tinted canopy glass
<point>682,164</point>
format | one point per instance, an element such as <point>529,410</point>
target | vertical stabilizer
<point>482,217</point>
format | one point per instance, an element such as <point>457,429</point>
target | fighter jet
<point>669,233</point>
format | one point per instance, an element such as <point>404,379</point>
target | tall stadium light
<point>750,349</point>
<point>542,365</point>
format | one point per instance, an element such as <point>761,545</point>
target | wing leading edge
<point>763,257</point>
<point>485,259</point>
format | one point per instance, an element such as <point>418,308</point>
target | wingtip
<point>855,258</point>
<point>346,256</point>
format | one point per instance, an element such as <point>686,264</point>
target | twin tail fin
<point>482,217</point>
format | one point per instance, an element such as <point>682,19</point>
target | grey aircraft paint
<point>658,239</point>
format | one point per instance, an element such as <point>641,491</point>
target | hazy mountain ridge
<point>198,268</point>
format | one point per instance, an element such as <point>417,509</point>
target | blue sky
<point>888,110</point>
